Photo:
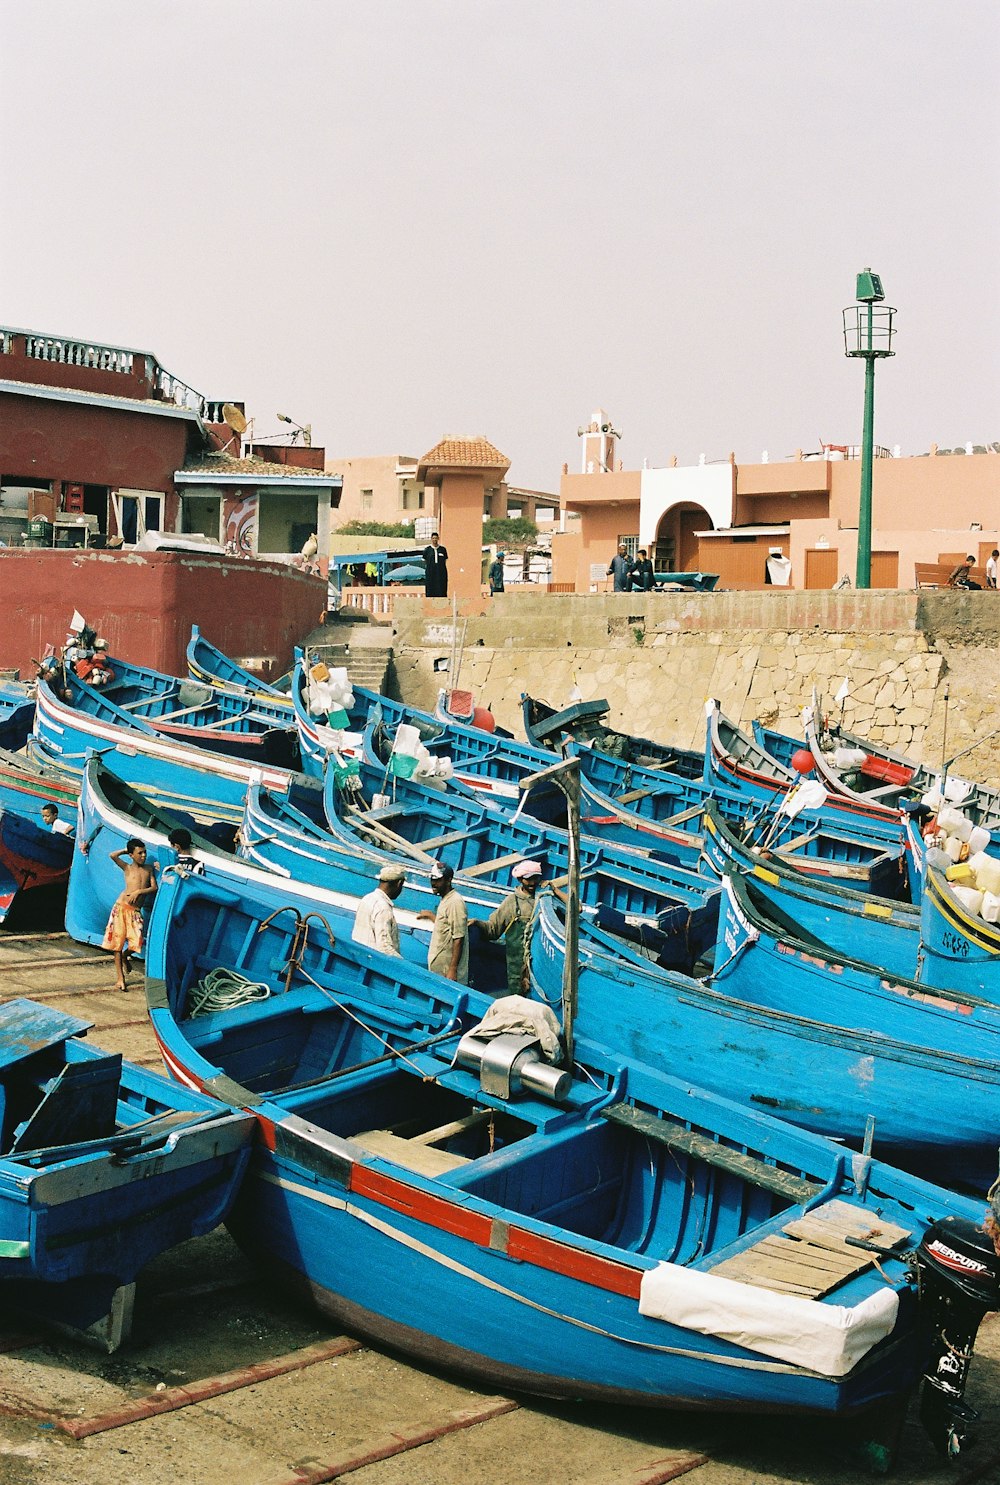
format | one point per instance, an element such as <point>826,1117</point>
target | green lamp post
<point>868,334</point>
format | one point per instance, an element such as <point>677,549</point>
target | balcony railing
<point>92,355</point>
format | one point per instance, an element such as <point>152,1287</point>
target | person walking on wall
<point>496,574</point>
<point>435,568</point>
<point>620,570</point>
<point>643,577</point>
<point>991,568</point>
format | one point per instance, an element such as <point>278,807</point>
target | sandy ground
<point>284,1401</point>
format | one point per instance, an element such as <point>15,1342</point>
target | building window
<point>366,499</point>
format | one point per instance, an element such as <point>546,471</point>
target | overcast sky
<point>397,221</point>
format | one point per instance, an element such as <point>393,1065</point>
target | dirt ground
<point>226,1379</point>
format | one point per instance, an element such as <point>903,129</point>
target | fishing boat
<point>103,1166</point>
<point>210,787</point>
<point>546,726</point>
<point>112,811</point>
<point>628,802</point>
<point>859,769</point>
<point>209,665</point>
<point>782,1022</point>
<point>736,761</point>
<point>17,709</point>
<point>481,854</point>
<point>225,721</point>
<point>31,856</point>
<point>590,1231</point>
<point>28,782</point>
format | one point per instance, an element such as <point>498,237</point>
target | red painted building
<point>144,603</point>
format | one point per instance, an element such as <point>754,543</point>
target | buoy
<point>484,719</point>
<point>802,761</point>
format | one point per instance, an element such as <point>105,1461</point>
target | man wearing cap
<point>512,922</point>
<point>375,923</point>
<point>448,954</point>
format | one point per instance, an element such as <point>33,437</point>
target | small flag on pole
<point>77,622</point>
<point>844,692</point>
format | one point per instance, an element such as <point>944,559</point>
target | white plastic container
<point>987,872</point>
<point>970,898</point>
<point>990,910</point>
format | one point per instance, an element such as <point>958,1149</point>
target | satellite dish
<point>233,418</point>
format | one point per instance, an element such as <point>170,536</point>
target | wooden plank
<point>831,1223</point>
<point>755,1268</point>
<point>485,866</point>
<point>828,1259</point>
<point>457,1126</point>
<point>735,1162</point>
<point>731,1269</point>
<point>425,1159</point>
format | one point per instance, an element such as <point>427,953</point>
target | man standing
<point>512,922</point>
<point>448,954</point>
<point>991,568</point>
<point>435,568</point>
<point>496,574</point>
<point>620,570</point>
<point>375,923</point>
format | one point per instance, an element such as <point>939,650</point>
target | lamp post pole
<point>863,576</point>
<point>868,336</point>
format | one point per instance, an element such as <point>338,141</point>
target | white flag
<point>77,622</point>
<point>844,691</point>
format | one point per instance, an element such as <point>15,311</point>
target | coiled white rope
<point>223,990</point>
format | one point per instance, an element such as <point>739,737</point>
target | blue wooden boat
<point>662,811</point>
<point>225,721</point>
<point>959,947</point>
<point>477,1206</point>
<point>546,726</point>
<point>209,665</point>
<point>102,1167</point>
<point>111,811</point>
<point>735,761</point>
<point>29,781</point>
<point>785,1024</point>
<point>882,930</point>
<point>209,786</point>
<point>17,710</point>
<point>859,769</point>
<point>31,856</point>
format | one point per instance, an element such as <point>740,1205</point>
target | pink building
<point>730,518</point>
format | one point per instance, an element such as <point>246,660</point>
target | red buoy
<point>802,761</point>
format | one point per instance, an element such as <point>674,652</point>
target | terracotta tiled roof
<point>208,464</point>
<point>466,453</point>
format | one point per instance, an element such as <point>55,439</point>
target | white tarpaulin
<point>825,1338</point>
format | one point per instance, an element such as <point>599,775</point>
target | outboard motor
<point>959,1273</point>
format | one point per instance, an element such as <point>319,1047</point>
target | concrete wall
<point>657,657</point>
<point>145,603</point>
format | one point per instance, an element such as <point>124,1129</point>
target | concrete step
<point>366,665</point>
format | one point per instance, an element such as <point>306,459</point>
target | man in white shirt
<point>375,923</point>
<point>991,568</point>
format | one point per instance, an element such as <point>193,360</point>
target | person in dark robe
<point>435,568</point>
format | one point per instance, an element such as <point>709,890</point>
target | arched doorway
<point>676,548</point>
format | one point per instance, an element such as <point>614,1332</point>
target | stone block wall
<point>923,668</point>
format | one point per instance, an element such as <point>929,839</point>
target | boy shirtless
<point>124,933</point>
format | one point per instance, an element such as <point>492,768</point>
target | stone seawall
<point>922,667</point>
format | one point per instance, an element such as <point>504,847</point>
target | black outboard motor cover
<point>959,1271</point>
<point>960,1253</point>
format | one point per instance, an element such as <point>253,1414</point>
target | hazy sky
<point>396,221</point>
